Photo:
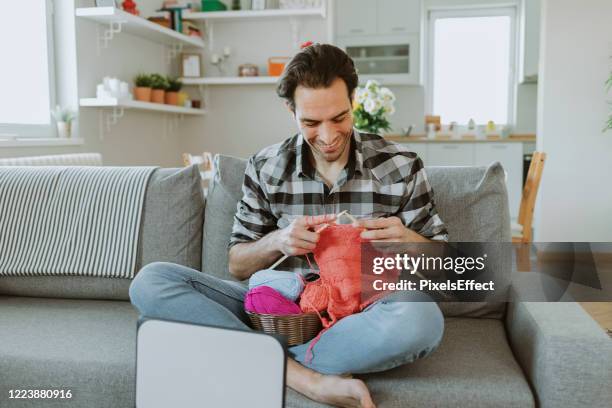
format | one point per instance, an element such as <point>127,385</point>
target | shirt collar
<point>354,165</point>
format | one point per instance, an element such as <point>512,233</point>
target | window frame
<point>502,10</point>
<point>28,131</point>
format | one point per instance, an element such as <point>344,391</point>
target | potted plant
<point>142,90</point>
<point>371,106</point>
<point>63,118</point>
<point>159,84</point>
<point>172,93</point>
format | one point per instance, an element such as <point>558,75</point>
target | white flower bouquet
<point>371,106</point>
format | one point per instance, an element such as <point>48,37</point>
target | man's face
<point>325,118</point>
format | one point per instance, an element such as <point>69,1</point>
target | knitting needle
<point>287,256</point>
<point>345,212</point>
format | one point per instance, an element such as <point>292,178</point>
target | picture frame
<point>191,65</point>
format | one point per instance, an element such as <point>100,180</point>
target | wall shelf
<point>120,21</point>
<point>113,109</point>
<point>132,104</point>
<point>230,80</point>
<point>254,14</point>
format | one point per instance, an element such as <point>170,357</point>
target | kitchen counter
<point>516,138</point>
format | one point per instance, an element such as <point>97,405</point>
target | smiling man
<point>328,167</point>
<point>289,189</point>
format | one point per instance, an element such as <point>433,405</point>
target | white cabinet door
<point>420,149</point>
<point>356,17</point>
<point>399,16</point>
<point>450,154</point>
<point>510,155</point>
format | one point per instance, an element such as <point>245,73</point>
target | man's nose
<point>327,133</point>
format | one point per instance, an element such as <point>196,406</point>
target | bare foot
<point>341,392</point>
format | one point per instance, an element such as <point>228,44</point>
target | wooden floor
<point>601,312</point>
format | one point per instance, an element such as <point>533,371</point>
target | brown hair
<point>317,66</point>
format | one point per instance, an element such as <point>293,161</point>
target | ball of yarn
<point>265,300</point>
<point>288,284</point>
<point>315,297</point>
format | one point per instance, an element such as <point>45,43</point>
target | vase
<point>63,130</point>
<point>142,93</point>
<point>157,95</point>
<point>182,97</point>
<point>171,98</point>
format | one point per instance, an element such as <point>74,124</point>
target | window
<point>27,70</point>
<point>472,65</point>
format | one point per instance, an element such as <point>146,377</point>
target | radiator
<point>77,159</point>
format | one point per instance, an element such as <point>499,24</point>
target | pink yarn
<point>265,300</point>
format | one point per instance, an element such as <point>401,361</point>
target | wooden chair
<point>521,230</point>
<point>206,165</point>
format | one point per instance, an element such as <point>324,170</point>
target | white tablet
<point>187,365</point>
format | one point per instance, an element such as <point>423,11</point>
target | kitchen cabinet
<point>509,154</point>
<point>450,154</point>
<point>356,17</point>
<point>421,150</point>
<point>377,17</point>
<point>389,60</point>
<point>529,49</point>
<point>398,17</point>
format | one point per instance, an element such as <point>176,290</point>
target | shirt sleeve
<point>418,211</point>
<point>253,218</point>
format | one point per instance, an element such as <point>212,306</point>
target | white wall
<point>139,138</point>
<point>575,200</point>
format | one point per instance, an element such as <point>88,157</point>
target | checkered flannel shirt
<point>381,179</point>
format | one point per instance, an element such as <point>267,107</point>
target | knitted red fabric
<point>338,290</point>
<point>338,254</point>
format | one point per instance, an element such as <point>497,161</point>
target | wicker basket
<point>298,328</point>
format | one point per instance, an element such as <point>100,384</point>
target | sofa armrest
<point>564,353</point>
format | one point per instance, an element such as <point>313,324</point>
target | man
<point>289,189</point>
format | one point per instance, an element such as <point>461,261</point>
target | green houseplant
<point>63,119</point>
<point>174,86</point>
<point>159,84</point>
<point>142,88</point>
<point>371,106</point>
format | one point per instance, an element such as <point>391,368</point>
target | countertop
<point>419,138</point>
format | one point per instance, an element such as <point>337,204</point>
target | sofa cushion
<point>224,193</point>
<point>87,346</point>
<point>472,367</point>
<point>472,201</point>
<point>171,231</point>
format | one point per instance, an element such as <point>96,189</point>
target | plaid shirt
<point>381,179</point>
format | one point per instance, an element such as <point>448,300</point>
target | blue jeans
<point>386,334</point>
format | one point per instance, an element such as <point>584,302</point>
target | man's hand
<point>390,229</point>
<point>298,238</point>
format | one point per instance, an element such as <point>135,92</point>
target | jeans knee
<point>143,286</point>
<point>421,322</point>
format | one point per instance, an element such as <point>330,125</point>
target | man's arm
<point>416,220</point>
<point>295,239</point>
<point>248,257</point>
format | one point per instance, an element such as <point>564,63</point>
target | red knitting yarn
<point>338,291</point>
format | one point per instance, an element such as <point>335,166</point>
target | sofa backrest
<point>472,201</point>
<point>171,231</point>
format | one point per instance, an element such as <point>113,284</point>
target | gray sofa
<point>79,333</point>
